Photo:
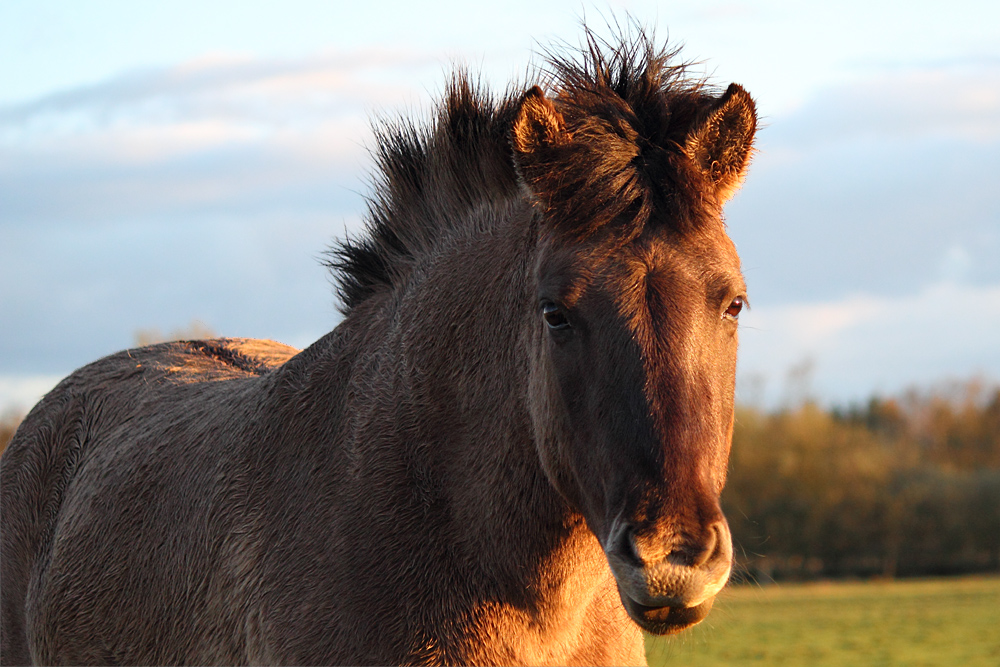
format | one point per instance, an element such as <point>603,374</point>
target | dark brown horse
<point>510,451</point>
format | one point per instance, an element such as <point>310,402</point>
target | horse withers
<point>510,451</point>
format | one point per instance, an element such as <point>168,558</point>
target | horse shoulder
<point>103,471</point>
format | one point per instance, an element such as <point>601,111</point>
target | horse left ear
<point>537,135</point>
<point>721,144</point>
<point>538,125</point>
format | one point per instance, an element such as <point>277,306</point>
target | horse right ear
<point>538,132</point>
<point>721,145</point>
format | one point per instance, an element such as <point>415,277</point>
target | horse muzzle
<point>666,588</point>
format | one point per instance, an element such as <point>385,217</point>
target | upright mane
<point>428,179</point>
<point>628,107</point>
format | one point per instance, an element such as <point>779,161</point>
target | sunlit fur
<point>442,479</point>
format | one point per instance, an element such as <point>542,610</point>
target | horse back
<point>112,426</point>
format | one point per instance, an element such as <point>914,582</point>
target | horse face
<point>633,370</point>
<point>634,353</point>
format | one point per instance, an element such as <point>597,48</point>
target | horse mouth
<point>665,620</point>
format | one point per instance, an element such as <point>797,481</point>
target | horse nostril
<point>718,547</point>
<point>627,548</point>
<point>710,548</point>
<point>704,554</point>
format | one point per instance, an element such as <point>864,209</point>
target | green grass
<point>918,622</point>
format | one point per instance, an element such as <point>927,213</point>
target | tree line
<point>901,486</point>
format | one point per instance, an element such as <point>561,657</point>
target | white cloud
<point>866,343</point>
<point>214,132</point>
<point>225,84</point>
<point>819,325</point>
<point>18,393</point>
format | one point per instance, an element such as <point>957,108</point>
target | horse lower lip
<point>666,620</point>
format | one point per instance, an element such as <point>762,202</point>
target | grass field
<point>920,622</point>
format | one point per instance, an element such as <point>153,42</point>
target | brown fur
<point>445,477</point>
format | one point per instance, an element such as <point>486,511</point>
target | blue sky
<point>166,162</point>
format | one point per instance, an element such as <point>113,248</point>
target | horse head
<point>634,332</point>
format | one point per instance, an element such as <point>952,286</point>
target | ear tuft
<point>538,125</point>
<point>720,146</point>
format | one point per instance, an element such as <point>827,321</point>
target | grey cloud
<point>958,100</point>
<point>71,294</point>
<point>865,190</point>
<point>241,179</point>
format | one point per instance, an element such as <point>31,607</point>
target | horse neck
<point>456,358</point>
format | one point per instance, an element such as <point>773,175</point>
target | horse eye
<point>554,316</point>
<point>733,312</point>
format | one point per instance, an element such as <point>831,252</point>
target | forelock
<point>627,108</point>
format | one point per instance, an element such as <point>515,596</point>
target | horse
<point>509,451</point>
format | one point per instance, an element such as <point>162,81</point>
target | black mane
<point>628,106</point>
<point>427,178</point>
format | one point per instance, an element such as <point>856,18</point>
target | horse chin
<point>665,620</point>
